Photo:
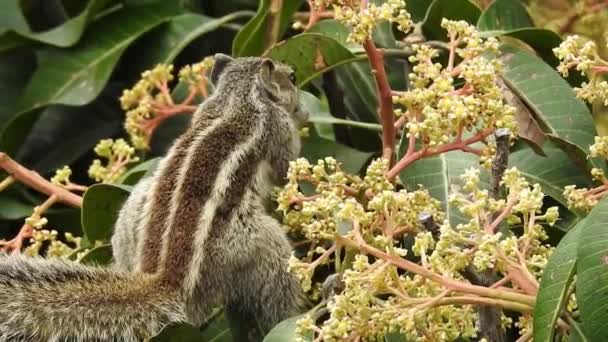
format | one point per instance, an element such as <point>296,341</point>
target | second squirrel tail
<point>53,300</point>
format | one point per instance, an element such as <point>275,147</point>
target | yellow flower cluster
<point>369,308</point>
<point>585,199</point>
<point>195,73</point>
<point>56,248</point>
<point>440,112</point>
<point>493,250</point>
<point>377,299</point>
<point>581,54</point>
<point>118,154</point>
<point>138,100</point>
<point>363,20</point>
<point>62,176</point>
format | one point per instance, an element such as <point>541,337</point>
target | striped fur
<point>192,236</point>
<point>52,300</point>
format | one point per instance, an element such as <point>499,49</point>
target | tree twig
<point>37,182</point>
<point>385,101</point>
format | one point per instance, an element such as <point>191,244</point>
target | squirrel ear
<point>219,64</point>
<point>265,79</point>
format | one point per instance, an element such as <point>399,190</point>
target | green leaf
<point>576,332</point>
<point>100,207</point>
<point>11,40</point>
<point>311,54</point>
<point>15,131</point>
<point>134,174</point>
<point>439,174</point>
<point>251,39</point>
<point>592,273</point>
<point>286,331</point>
<point>16,67</point>
<point>564,118</point>
<point>356,81</point>
<point>504,15</point>
<point>67,34</point>
<point>71,137</point>
<point>554,285</point>
<point>217,331</point>
<point>337,31</point>
<point>13,209</point>
<point>553,171</point>
<point>180,31</point>
<point>448,9</point>
<point>101,255</point>
<point>179,333</point>
<point>75,76</point>
<point>510,18</point>
<point>418,8</point>
<point>315,148</point>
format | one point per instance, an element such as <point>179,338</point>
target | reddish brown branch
<point>385,102</point>
<point>37,182</point>
<point>27,231</point>
<point>462,145</point>
<point>448,283</point>
<point>567,27</point>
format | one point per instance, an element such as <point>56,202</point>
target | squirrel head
<point>273,80</point>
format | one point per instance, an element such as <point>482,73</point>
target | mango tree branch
<point>27,230</point>
<point>385,101</point>
<point>37,182</point>
<point>274,23</point>
<point>448,283</point>
<point>457,144</point>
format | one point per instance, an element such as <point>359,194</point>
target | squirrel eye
<point>292,77</point>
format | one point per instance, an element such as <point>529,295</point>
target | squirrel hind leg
<point>265,294</point>
<point>260,286</point>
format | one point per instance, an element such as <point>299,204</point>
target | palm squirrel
<point>192,236</point>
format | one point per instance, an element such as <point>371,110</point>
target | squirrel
<point>192,236</point>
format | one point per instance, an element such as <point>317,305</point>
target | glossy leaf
<point>504,15</point>
<point>439,174</point>
<point>100,207</point>
<point>180,31</point>
<point>70,136</point>
<point>527,128</point>
<point>64,35</point>
<point>185,333</point>
<point>286,331</point>
<point>134,174</point>
<point>356,81</point>
<point>449,9</point>
<point>315,148</point>
<point>11,208</point>
<point>311,54</point>
<point>101,255</point>
<point>562,116</point>
<point>554,286</point>
<point>15,69</point>
<point>333,29</point>
<point>418,8</point>
<point>592,273</point>
<point>10,40</point>
<point>553,171</point>
<point>252,38</point>
<point>75,76</point>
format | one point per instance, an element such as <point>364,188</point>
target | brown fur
<point>206,238</point>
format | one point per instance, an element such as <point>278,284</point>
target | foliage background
<point>64,64</point>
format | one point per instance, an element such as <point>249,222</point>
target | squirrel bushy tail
<point>53,300</point>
